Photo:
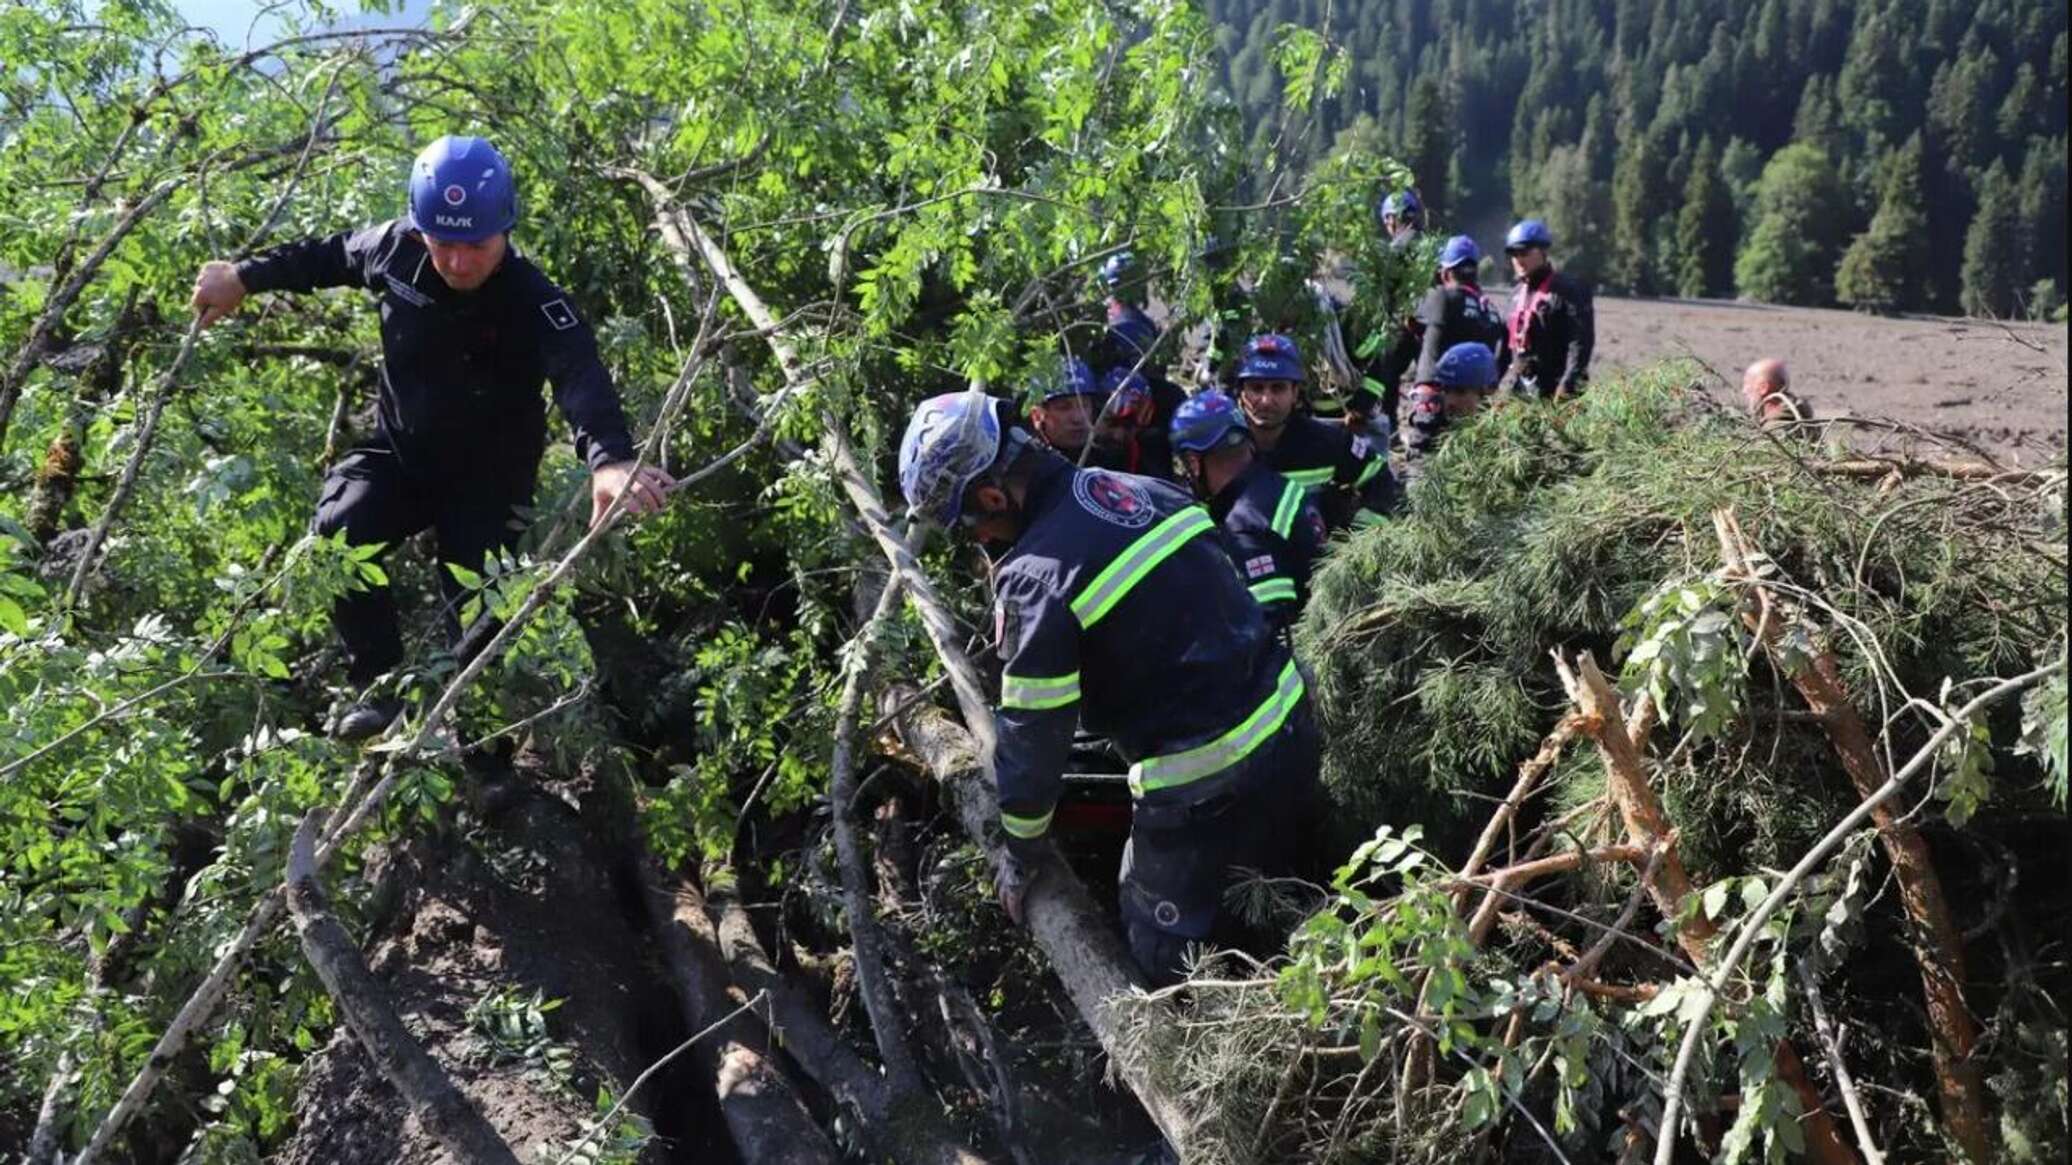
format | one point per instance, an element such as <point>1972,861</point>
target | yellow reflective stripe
<point>1374,466</point>
<point>1130,567</point>
<point>1038,692</point>
<point>1308,478</point>
<point>1366,518</point>
<point>1025,827</point>
<point>1181,768</point>
<point>1284,514</point>
<point>1274,590</point>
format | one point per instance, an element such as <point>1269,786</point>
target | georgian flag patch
<point>559,314</point>
<point>1259,567</point>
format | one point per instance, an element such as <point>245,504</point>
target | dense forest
<point>1885,154</point>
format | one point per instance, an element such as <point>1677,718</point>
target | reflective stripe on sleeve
<point>1290,505</point>
<point>1038,692</point>
<point>1274,590</point>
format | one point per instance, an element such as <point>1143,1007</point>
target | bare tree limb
<point>439,1107</point>
<point>902,1074</point>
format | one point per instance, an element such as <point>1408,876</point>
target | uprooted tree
<point>743,810</point>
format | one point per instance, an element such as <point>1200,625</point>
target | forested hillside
<point>1886,154</point>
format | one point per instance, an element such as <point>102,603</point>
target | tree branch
<point>432,1098</point>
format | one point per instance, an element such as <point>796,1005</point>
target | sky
<point>232,19</point>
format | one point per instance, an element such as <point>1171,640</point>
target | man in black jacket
<point>1553,325</point>
<point>1453,312</point>
<point>469,331</point>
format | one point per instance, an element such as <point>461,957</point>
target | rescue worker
<point>1270,527</point>
<point>1346,473</point>
<point>1131,331</point>
<point>1066,409</point>
<point>1117,609</point>
<point>1129,436</point>
<point>1553,326</point>
<point>1402,217</point>
<point>1459,384</point>
<point>1454,311</point>
<point>469,331</point>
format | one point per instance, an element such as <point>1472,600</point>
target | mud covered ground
<point>2001,386</point>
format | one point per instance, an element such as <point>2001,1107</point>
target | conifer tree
<point>1993,249</point>
<point>1883,270</point>
<point>1705,228</point>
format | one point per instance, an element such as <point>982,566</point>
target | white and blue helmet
<point>952,439</point>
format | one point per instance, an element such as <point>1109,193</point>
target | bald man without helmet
<point>1766,388</point>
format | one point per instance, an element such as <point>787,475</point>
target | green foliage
<point>1993,247</point>
<point>1705,228</point>
<point>1594,111</point>
<point>1883,269</point>
<point>1548,528</point>
<point>1789,256</point>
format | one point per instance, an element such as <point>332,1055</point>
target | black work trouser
<point>373,496</point>
<point>1184,853</point>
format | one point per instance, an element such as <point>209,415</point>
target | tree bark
<point>764,1117</point>
<point>1647,826</point>
<point>438,1106</point>
<point>1085,953</point>
<point>1939,945</point>
<point>906,1129</point>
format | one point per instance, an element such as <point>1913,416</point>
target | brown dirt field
<point>2000,386</point>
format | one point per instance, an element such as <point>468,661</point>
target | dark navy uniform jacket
<point>1445,317</point>
<point>1552,333</point>
<point>1274,533</point>
<point>461,371</point>
<point>1118,609</point>
<point>1346,474</point>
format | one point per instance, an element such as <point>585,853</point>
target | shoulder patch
<point>559,314</point>
<point>1361,446</point>
<point>1113,497</point>
<point>1259,566</point>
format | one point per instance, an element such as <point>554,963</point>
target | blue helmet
<point>1401,204</point>
<point>1071,378</point>
<point>1459,251</point>
<point>1127,394</point>
<point>1208,421</point>
<point>1131,334</point>
<point>1118,268</point>
<point>952,439</point>
<point>1528,234</point>
<point>461,191</point>
<point>1271,357</point>
<point>1466,365</point>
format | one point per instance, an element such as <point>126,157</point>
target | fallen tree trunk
<point>902,1075</point>
<point>764,1116</point>
<point>365,1008</point>
<point>906,1128</point>
<point>1938,945</point>
<point>1086,955</point>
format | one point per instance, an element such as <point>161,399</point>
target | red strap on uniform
<point>1521,315</point>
